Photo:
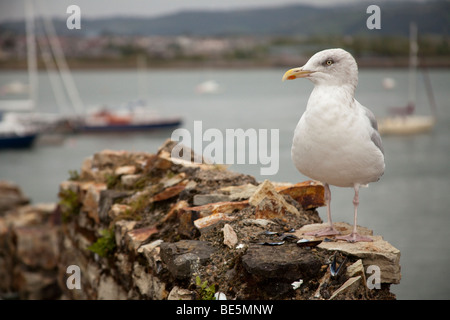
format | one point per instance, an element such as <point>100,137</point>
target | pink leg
<point>330,230</point>
<point>355,236</point>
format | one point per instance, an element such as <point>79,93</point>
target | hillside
<point>432,18</point>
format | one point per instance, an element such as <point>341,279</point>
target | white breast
<point>332,141</point>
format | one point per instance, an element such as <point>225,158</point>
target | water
<point>409,206</point>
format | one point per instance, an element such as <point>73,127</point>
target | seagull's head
<point>328,67</point>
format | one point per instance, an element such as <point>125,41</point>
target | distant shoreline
<point>99,64</point>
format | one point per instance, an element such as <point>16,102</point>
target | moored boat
<point>125,120</point>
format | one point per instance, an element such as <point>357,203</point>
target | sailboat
<point>13,133</point>
<point>131,117</point>
<point>53,125</point>
<point>403,120</point>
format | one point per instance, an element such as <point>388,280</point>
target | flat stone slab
<point>274,268</point>
<point>378,253</point>
<point>342,227</point>
<point>287,262</point>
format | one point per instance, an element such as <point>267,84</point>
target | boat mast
<point>413,62</point>
<point>142,79</point>
<point>63,67</point>
<point>31,52</point>
<point>25,105</point>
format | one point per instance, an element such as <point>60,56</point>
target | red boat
<point>136,119</point>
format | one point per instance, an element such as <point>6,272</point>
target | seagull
<point>336,140</point>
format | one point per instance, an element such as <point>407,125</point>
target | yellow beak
<point>296,73</point>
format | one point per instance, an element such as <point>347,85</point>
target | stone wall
<point>146,226</point>
<point>29,252</point>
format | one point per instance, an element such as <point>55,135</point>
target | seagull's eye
<point>329,62</point>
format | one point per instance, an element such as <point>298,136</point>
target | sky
<point>14,9</point>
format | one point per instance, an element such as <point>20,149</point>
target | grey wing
<point>375,136</point>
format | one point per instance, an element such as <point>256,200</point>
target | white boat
<point>207,87</point>
<point>133,117</point>
<point>13,135</point>
<point>404,125</point>
<point>403,120</point>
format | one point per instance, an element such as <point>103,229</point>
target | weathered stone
<point>167,147</point>
<point>170,182</point>
<point>190,185</point>
<point>43,209</point>
<point>129,180</point>
<point>230,238</point>
<point>309,194</point>
<point>73,186</point>
<point>259,222</point>
<point>323,281</point>
<point>169,192</point>
<point>165,153</point>
<point>125,170</point>
<point>183,258</point>
<point>121,227</point>
<point>84,221</point>
<point>118,209</point>
<point>123,264</point>
<point>275,268</point>
<point>28,215</point>
<point>147,284</point>
<point>239,192</point>
<point>10,196</point>
<point>213,177</point>
<point>6,267</point>
<point>223,207</point>
<point>174,210</point>
<point>211,220</point>
<point>107,199</point>
<point>287,262</point>
<point>108,289</point>
<point>135,237</point>
<point>144,195</point>
<point>91,199</point>
<point>151,251</point>
<point>35,285</point>
<point>269,203</point>
<point>178,293</point>
<point>86,172</point>
<point>37,246</point>
<point>347,289</point>
<point>109,158</point>
<point>379,252</point>
<point>193,219</point>
<point>186,227</point>
<point>92,274</point>
<point>82,240</point>
<point>356,269</point>
<point>343,227</point>
<point>70,254</point>
<point>29,252</point>
<point>112,159</point>
<point>202,199</point>
<point>142,279</point>
<point>161,163</point>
